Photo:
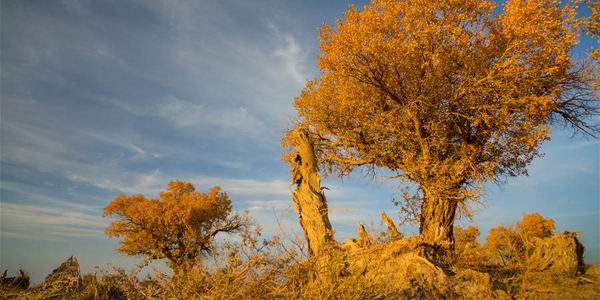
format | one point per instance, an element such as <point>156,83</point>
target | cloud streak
<point>102,97</point>
<point>21,221</point>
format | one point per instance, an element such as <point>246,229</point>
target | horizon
<point>103,98</point>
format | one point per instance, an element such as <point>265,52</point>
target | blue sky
<point>103,97</point>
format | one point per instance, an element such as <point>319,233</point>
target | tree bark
<point>392,230</point>
<point>437,219</point>
<point>309,201</point>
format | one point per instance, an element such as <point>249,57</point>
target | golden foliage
<point>178,225</point>
<point>534,225</point>
<point>467,248</point>
<point>593,24</point>
<point>505,246</point>
<point>593,28</point>
<point>446,94</point>
<point>468,235</point>
<point>395,269</point>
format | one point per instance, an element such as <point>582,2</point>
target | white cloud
<point>180,113</point>
<point>245,186</point>
<point>186,115</point>
<point>115,179</point>
<point>30,193</point>
<point>46,223</point>
<point>292,56</point>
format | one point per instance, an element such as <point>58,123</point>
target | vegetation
<point>177,226</point>
<point>388,268</point>
<point>445,94</point>
<point>508,243</point>
<point>593,24</point>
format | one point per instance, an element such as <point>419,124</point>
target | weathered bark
<point>363,236</point>
<point>437,219</point>
<point>309,201</point>
<point>392,230</point>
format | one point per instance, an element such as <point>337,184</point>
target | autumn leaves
<point>177,226</point>
<point>446,94</point>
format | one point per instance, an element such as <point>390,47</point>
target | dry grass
<point>389,268</point>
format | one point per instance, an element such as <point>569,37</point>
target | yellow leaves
<point>592,26</point>
<point>534,225</point>
<point>542,33</point>
<point>176,225</point>
<point>468,250</point>
<point>470,234</point>
<point>445,92</point>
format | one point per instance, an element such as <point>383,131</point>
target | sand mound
<point>402,266</point>
<point>558,254</point>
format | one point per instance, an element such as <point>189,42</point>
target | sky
<point>106,97</point>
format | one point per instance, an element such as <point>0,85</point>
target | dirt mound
<point>66,277</point>
<point>593,272</point>
<point>411,268</point>
<point>64,280</point>
<point>558,254</point>
<point>402,266</point>
<point>541,285</point>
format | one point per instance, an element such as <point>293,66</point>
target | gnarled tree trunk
<point>309,201</point>
<point>437,219</point>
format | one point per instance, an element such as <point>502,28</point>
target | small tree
<point>467,248</point>
<point>534,225</point>
<point>468,235</point>
<point>445,94</point>
<point>178,226</point>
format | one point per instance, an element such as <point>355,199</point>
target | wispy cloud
<point>23,191</point>
<point>192,90</point>
<point>578,214</point>
<point>292,55</point>
<point>246,186</point>
<point>45,223</point>
<point>553,167</point>
<point>189,115</point>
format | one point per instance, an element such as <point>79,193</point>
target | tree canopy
<point>178,225</point>
<point>445,94</point>
<point>593,24</point>
<point>593,28</point>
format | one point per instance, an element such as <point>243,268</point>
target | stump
<point>309,201</point>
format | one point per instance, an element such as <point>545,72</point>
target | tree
<point>178,226</point>
<point>467,248</point>
<point>445,94</point>
<point>534,225</point>
<point>309,199</point>
<point>468,235</point>
<point>505,246</point>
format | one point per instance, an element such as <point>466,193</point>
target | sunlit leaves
<point>593,28</point>
<point>178,225</point>
<point>445,94</point>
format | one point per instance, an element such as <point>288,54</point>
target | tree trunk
<point>437,219</point>
<point>309,201</point>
